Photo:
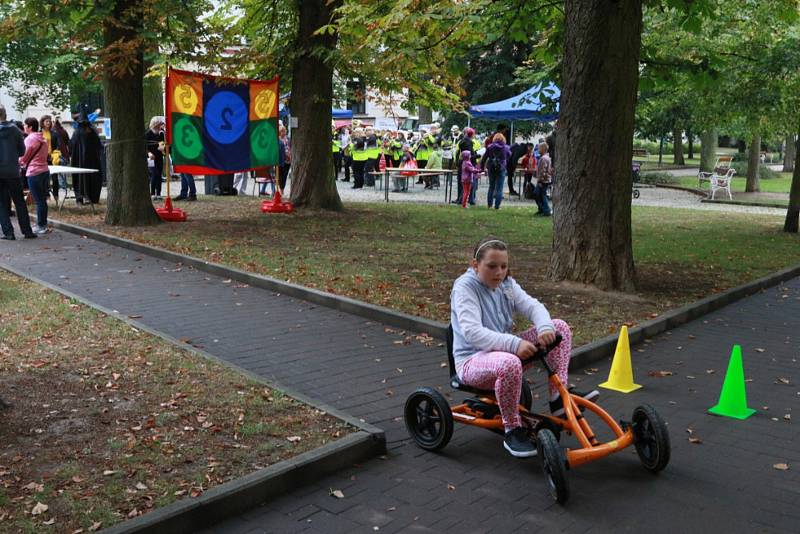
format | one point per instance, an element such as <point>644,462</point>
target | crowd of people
<point>27,149</point>
<point>362,151</point>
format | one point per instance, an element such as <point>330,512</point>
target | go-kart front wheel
<point>555,470</point>
<point>651,438</point>
<point>429,420</point>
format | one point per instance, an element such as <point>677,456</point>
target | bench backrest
<point>450,360</point>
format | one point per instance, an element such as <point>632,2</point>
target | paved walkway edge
<point>581,356</point>
<point>242,494</point>
<point>337,302</point>
<point>741,203</point>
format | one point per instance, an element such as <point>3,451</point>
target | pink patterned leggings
<point>502,372</point>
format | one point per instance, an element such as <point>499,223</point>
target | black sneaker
<point>9,237</point>
<point>557,406</point>
<point>192,198</point>
<point>519,444</point>
<point>31,236</point>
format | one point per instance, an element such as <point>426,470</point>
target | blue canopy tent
<point>529,105</point>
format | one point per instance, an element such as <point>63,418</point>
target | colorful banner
<point>221,125</point>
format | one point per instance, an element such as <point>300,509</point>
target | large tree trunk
<point>790,154</point>
<point>753,160</point>
<point>690,143</point>
<point>677,146</point>
<point>708,149</point>
<point>129,201</point>
<point>153,98</point>
<point>793,213</point>
<point>313,183</point>
<point>592,220</point>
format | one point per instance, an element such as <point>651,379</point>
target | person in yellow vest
<point>397,148</point>
<point>373,151</point>
<point>336,148</point>
<point>359,152</point>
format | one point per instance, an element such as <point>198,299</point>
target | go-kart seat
<point>455,382</point>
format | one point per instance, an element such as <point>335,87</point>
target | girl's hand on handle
<point>525,350</point>
<point>546,339</point>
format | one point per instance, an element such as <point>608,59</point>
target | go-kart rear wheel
<point>651,438</point>
<point>429,420</point>
<point>525,396</point>
<point>555,470</point>
<point>635,193</point>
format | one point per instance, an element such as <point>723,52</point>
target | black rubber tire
<point>429,420</point>
<point>651,438</point>
<point>553,465</point>
<point>525,395</point>
<point>636,193</point>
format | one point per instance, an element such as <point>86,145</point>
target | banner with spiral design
<point>219,125</point>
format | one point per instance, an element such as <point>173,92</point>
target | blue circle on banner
<point>226,117</point>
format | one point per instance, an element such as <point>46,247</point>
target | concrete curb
<point>581,356</point>
<point>737,203</point>
<point>244,493</point>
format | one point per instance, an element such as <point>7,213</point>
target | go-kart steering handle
<point>541,353</point>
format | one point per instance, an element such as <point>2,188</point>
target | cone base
<point>171,215</point>
<point>621,389</point>
<point>717,410</point>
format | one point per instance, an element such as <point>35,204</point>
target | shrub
<point>654,178</point>
<point>764,172</point>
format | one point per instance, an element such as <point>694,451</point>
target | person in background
<point>34,161</point>
<point>434,162</point>
<point>284,157</point>
<point>62,145</point>
<point>544,174</point>
<point>12,147</point>
<point>46,126</point>
<point>347,152</point>
<point>528,164</point>
<point>189,189</point>
<point>336,149</point>
<point>469,177</point>
<point>154,141</point>
<point>359,151</point>
<point>86,151</point>
<point>495,160</point>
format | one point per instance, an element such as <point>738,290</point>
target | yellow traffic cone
<point>621,376</point>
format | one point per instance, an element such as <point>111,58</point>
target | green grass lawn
<point>406,256</point>
<point>773,185</point>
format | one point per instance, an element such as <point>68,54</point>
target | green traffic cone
<point>733,399</point>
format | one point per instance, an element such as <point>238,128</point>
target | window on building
<point>356,97</point>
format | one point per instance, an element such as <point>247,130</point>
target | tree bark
<point>790,154</point>
<point>677,146</point>
<point>753,160</point>
<point>129,202</point>
<point>708,149</point>
<point>793,213</point>
<point>313,182</point>
<point>153,99</point>
<point>690,143</point>
<point>425,115</point>
<point>592,221</point>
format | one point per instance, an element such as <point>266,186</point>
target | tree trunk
<point>690,142</point>
<point>752,185</point>
<point>129,201</point>
<point>660,151</point>
<point>425,115</point>
<point>790,154</point>
<point>153,99</point>
<point>313,182</point>
<point>677,146</point>
<point>793,213</point>
<point>708,149</point>
<point>592,222</point>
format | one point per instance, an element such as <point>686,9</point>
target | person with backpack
<point>466,143</point>
<point>12,146</point>
<point>406,162</point>
<point>495,161</point>
<point>544,175</point>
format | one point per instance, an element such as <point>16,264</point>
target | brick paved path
<point>727,483</point>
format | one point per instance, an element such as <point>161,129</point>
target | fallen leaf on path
<point>782,381</point>
<point>50,521</point>
<point>788,417</point>
<point>660,373</point>
<point>781,467</point>
<point>337,493</point>
<point>293,439</point>
<point>40,508</point>
<point>95,526</point>
<point>451,487</point>
<point>760,350</point>
<point>696,441</point>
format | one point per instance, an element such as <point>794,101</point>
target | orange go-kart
<point>429,420</point>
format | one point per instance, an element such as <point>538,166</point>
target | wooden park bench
<point>640,153</point>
